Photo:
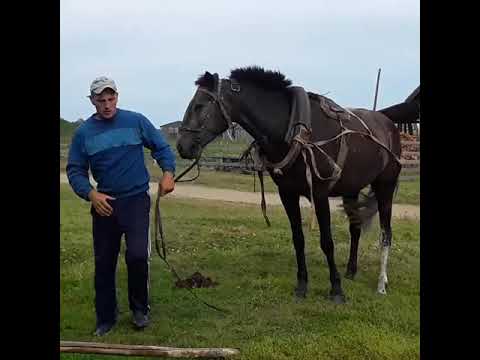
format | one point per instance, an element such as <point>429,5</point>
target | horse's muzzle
<point>187,150</point>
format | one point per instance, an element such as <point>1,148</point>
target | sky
<point>155,50</point>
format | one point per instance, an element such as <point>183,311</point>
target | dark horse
<point>260,102</point>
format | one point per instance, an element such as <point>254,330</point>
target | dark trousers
<point>131,218</point>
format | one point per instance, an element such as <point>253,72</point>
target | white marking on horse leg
<point>382,279</point>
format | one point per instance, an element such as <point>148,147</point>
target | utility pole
<point>376,91</point>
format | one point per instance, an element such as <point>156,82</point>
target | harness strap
<point>291,156</point>
<point>300,113</point>
<point>219,100</point>
<point>301,144</point>
<point>359,119</point>
<point>264,204</point>
<point>342,155</point>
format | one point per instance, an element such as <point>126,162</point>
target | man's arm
<point>77,168</point>
<point>160,149</point>
<point>162,153</point>
<point>77,172</point>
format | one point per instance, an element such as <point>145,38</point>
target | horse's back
<point>366,160</point>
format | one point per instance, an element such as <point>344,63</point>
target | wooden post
<point>376,90</point>
<point>144,350</point>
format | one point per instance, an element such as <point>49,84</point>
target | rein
<point>184,172</point>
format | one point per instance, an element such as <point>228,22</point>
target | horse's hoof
<point>298,299</point>
<point>350,275</point>
<point>300,293</point>
<point>301,289</point>
<point>338,299</point>
<point>382,287</point>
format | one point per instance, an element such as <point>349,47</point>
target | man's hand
<point>100,203</point>
<point>166,184</point>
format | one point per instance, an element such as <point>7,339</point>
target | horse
<point>365,144</point>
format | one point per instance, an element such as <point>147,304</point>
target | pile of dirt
<point>197,280</point>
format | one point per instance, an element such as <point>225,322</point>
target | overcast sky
<point>155,50</point>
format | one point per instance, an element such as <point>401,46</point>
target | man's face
<point>105,103</point>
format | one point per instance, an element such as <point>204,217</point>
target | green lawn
<point>256,270</point>
<point>408,192</point>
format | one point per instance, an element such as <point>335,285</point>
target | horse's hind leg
<point>384,193</point>
<point>291,203</point>
<point>349,203</point>
<point>322,209</point>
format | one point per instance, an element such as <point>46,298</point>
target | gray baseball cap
<point>100,84</point>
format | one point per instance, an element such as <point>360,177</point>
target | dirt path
<point>209,193</point>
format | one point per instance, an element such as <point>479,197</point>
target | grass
<point>408,192</point>
<point>255,267</point>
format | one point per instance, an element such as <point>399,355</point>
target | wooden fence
<point>410,168</point>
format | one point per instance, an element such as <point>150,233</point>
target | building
<point>413,127</point>
<point>171,129</point>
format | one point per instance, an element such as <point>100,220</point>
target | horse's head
<point>207,116</point>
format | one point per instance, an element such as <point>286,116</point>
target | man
<point>110,143</point>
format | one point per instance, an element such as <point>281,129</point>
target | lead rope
<point>160,237</point>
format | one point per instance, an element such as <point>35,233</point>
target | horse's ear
<point>206,80</point>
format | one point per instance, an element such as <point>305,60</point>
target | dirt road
<point>272,199</point>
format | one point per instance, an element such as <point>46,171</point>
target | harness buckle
<point>235,87</point>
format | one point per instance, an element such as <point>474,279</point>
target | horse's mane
<point>266,79</point>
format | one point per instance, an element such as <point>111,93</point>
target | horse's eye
<point>197,107</point>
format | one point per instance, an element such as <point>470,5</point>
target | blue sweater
<point>113,150</point>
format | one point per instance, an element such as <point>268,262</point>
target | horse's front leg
<point>291,203</point>
<point>322,209</point>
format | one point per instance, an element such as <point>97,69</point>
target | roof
<point>172,124</point>
<point>414,96</point>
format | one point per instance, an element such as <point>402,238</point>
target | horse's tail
<point>361,211</point>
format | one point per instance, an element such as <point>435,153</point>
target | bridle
<point>216,99</point>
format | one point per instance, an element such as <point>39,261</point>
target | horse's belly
<point>360,169</point>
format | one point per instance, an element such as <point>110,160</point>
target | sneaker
<point>102,329</point>
<point>140,320</point>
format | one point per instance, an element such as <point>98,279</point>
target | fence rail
<point>410,168</point>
